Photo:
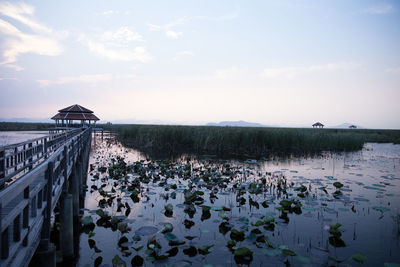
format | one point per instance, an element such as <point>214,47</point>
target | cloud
<point>121,36</point>
<point>153,27</point>
<point>380,9</point>
<point>167,28</point>
<point>393,70</point>
<point>2,79</point>
<point>23,13</point>
<point>87,78</point>
<point>291,72</point>
<point>110,12</point>
<point>173,34</point>
<point>42,40</point>
<point>114,53</point>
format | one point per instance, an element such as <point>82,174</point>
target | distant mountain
<point>345,125</point>
<point>236,124</point>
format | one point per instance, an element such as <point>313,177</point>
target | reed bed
<point>247,141</point>
<point>24,126</point>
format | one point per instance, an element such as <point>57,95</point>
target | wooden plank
<point>57,193</point>
<point>22,255</point>
<point>35,190</point>
<point>30,185</point>
<point>27,179</point>
<point>17,210</point>
<point>19,154</point>
<point>8,193</point>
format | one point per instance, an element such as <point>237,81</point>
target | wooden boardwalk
<point>34,176</point>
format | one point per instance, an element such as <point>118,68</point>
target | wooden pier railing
<point>19,158</point>
<point>34,176</point>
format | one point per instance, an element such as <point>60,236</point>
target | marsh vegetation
<point>244,142</point>
<point>337,209</point>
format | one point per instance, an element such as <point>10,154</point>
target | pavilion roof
<point>317,124</point>
<point>76,108</point>
<point>75,112</point>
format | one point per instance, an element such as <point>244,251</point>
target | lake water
<point>232,198</point>
<point>281,211</point>
<point>13,137</point>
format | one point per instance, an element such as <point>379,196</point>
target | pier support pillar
<point>46,257</point>
<point>66,227</point>
<point>75,181</point>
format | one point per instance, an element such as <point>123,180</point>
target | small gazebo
<point>66,116</point>
<point>353,126</point>
<point>318,125</point>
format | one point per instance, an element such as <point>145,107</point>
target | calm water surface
<point>368,209</point>
<point>13,137</point>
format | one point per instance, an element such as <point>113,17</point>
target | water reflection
<point>13,137</point>
<point>366,207</point>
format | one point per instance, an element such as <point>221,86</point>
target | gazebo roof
<point>76,108</point>
<point>75,112</point>
<point>317,124</point>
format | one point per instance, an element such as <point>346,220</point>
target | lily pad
<point>243,252</point>
<point>118,262</point>
<point>381,209</point>
<point>237,235</point>
<point>137,261</point>
<point>303,260</point>
<point>171,237</point>
<point>288,252</point>
<point>338,185</point>
<point>146,230</point>
<point>358,257</point>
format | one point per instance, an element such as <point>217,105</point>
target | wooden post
<point>65,169</point>
<point>45,148</point>
<point>2,168</point>
<point>30,156</point>
<point>45,235</point>
<point>66,227</point>
<point>75,177</point>
<point>17,229</point>
<point>15,159</point>
<point>5,244</point>
<point>25,214</point>
<point>24,155</point>
<point>46,257</point>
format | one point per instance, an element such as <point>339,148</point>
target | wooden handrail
<point>26,204</point>
<point>16,159</point>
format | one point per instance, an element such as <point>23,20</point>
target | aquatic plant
<point>242,210</point>
<point>246,141</point>
<point>336,233</point>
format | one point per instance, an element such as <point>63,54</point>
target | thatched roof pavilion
<point>66,116</point>
<point>318,125</point>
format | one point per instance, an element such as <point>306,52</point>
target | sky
<point>286,63</point>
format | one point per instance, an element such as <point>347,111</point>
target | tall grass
<point>24,126</point>
<point>234,141</point>
<point>247,141</point>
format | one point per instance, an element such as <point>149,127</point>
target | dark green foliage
<point>23,126</point>
<point>246,141</point>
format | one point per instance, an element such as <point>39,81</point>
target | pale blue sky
<point>287,63</point>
